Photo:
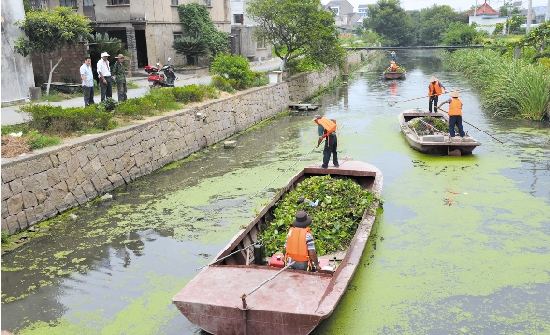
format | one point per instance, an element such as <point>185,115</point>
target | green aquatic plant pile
<point>335,205</point>
<point>511,88</point>
<point>435,125</point>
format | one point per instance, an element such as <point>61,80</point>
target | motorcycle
<point>157,79</point>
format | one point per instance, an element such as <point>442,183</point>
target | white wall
<point>17,75</point>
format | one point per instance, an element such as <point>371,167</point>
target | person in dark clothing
<point>327,130</point>
<point>434,91</point>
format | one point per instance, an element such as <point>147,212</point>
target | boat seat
<point>433,138</point>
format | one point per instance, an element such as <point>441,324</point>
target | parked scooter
<point>165,79</point>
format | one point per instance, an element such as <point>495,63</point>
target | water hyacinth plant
<point>508,87</point>
<point>335,205</point>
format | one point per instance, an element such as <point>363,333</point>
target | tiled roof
<point>485,9</point>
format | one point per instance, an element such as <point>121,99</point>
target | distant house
<point>242,30</point>
<point>362,10</point>
<point>344,17</point>
<point>486,18</point>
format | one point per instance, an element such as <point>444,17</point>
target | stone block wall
<point>50,181</point>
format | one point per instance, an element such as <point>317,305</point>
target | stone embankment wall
<point>41,185</point>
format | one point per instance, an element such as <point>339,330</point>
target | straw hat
<point>393,52</point>
<point>103,54</point>
<point>455,94</point>
<point>302,220</point>
<point>316,117</point>
<point>432,79</point>
<point>120,56</point>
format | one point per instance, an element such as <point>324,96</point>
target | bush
<point>135,107</point>
<point>233,67</point>
<point>222,84</point>
<point>39,141</point>
<point>55,119</point>
<point>304,64</point>
<point>108,104</point>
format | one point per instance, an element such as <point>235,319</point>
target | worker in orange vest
<point>393,66</point>
<point>434,91</point>
<point>455,114</point>
<point>327,130</point>
<point>299,246</point>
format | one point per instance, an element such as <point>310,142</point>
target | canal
<point>462,246</point>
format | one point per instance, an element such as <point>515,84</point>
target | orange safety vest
<point>328,125</point>
<point>435,86</point>
<point>455,107</point>
<point>296,246</point>
<point>393,67</point>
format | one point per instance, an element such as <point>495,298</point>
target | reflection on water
<point>462,245</point>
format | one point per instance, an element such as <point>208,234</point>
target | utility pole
<point>529,10</point>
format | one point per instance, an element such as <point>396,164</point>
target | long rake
<point>392,103</point>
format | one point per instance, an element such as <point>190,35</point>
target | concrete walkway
<point>10,116</point>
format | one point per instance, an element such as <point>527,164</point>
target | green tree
<point>538,39</point>
<point>47,30</point>
<point>459,33</point>
<point>297,28</point>
<point>389,20</point>
<point>198,24</point>
<point>433,23</point>
<point>233,67</point>
<point>191,47</point>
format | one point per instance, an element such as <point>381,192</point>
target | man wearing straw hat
<point>455,114</point>
<point>120,76</point>
<point>104,74</point>
<point>434,91</point>
<point>299,246</point>
<point>393,56</point>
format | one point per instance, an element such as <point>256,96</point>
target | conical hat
<point>455,94</point>
<point>432,79</point>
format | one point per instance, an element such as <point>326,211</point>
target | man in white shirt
<point>87,81</point>
<point>104,74</point>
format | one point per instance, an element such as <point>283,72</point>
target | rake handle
<point>496,139</point>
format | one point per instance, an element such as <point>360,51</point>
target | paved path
<point>10,115</point>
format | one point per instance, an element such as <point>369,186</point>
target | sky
<point>457,5</point>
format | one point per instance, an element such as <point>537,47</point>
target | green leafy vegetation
<point>511,88</point>
<point>428,125</point>
<point>390,21</point>
<point>293,36</point>
<point>340,204</point>
<point>47,30</point>
<point>202,36</point>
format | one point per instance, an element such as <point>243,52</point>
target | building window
<point>89,3</point>
<point>336,10</point>
<point>178,35</point>
<point>238,18</point>
<point>118,2</point>
<point>207,3</point>
<point>67,3</point>
<point>174,2</point>
<point>38,3</point>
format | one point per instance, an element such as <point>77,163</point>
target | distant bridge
<point>447,47</point>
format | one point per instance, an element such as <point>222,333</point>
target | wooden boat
<point>394,75</point>
<point>438,142</point>
<point>219,299</point>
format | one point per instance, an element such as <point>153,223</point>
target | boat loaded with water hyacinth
<point>425,136</point>
<point>242,294</point>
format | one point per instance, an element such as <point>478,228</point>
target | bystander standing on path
<point>10,114</point>
<point>104,74</point>
<point>87,81</point>
<point>120,77</point>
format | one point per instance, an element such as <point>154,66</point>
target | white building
<point>486,18</point>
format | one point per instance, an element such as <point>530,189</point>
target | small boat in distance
<point>242,295</point>
<point>429,133</point>
<point>394,74</point>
